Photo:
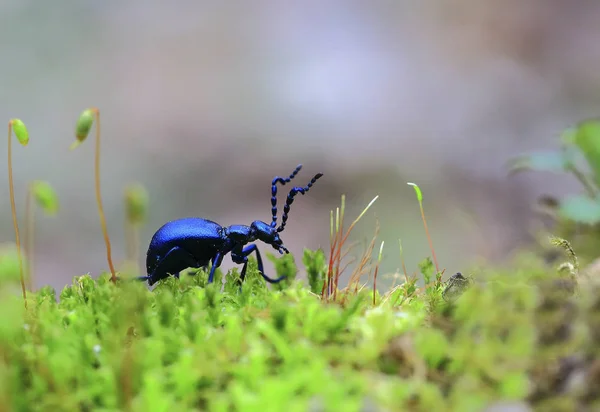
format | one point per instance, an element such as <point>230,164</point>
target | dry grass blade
<point>376,271</point>
<point>365,260</point>
<point>337,241</point>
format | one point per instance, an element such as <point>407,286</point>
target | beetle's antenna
<point>283,181</point>
<point>290,199</point>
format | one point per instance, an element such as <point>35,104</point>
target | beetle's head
<point>269,235</point>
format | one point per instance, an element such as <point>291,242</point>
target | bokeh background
<point>204,102</point>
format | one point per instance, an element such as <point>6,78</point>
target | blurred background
<point>205,102</point>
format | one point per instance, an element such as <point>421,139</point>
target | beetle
<point>193,242</point>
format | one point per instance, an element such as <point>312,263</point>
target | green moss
<point>187,345</point>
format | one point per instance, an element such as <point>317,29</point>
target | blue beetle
<point>193,242</point>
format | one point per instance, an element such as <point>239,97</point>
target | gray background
<point>204,102</point>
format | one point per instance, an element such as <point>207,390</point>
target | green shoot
<point>377,270</point>
<point>136,213</point>
<point>82,130</point>
<point>314,262</point>
<point>45,197</point>
<point>402,260</point>
<point>22,136</point>
<point>420,199</point>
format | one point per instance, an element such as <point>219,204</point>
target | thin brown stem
<point>375,282</point>
<point>14,212</point>
<point>29,223</point>
<point>437,268</point>
<point>404,270</point>
<point>99,199</point>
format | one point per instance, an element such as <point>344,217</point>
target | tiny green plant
<point>402,260</point>
<point>284,266</point>
<point>408,287</point>
<point>43,195</point>
<point>22,136</point>
<point>577,144</point>
<point>420,199</point>
<point>82,130</point>
<point>575,216</point>
<point>572,266</point>
<point>316,269</point>
<point>136,214</point>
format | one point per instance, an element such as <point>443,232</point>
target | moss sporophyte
<point>22,136</point>
<point>82,130</point>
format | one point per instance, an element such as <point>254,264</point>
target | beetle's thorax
<point>240,233</point>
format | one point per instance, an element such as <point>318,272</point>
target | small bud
<point>84,125</point>
<point>417,191</point>
<point>45,197</point>
<point>20,131</point>
<point>136,203</point>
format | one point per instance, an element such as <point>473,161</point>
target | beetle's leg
<point>238,257</point>
<point>244,258</point>
<point>243,274</point>
<point>175,261</point>
<point>216,262</point>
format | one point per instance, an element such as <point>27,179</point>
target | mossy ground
<point>518,335</point>
<point>529,334</point>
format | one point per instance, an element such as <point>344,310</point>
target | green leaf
<point>284,266</point>
<point>427,269</point>
<point>316,268</point>
<point>581,209</point>
<point>548,161</point>
<point>587,138</point>
<point>20,131</point>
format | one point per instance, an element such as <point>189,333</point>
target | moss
<point>187,345</point>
